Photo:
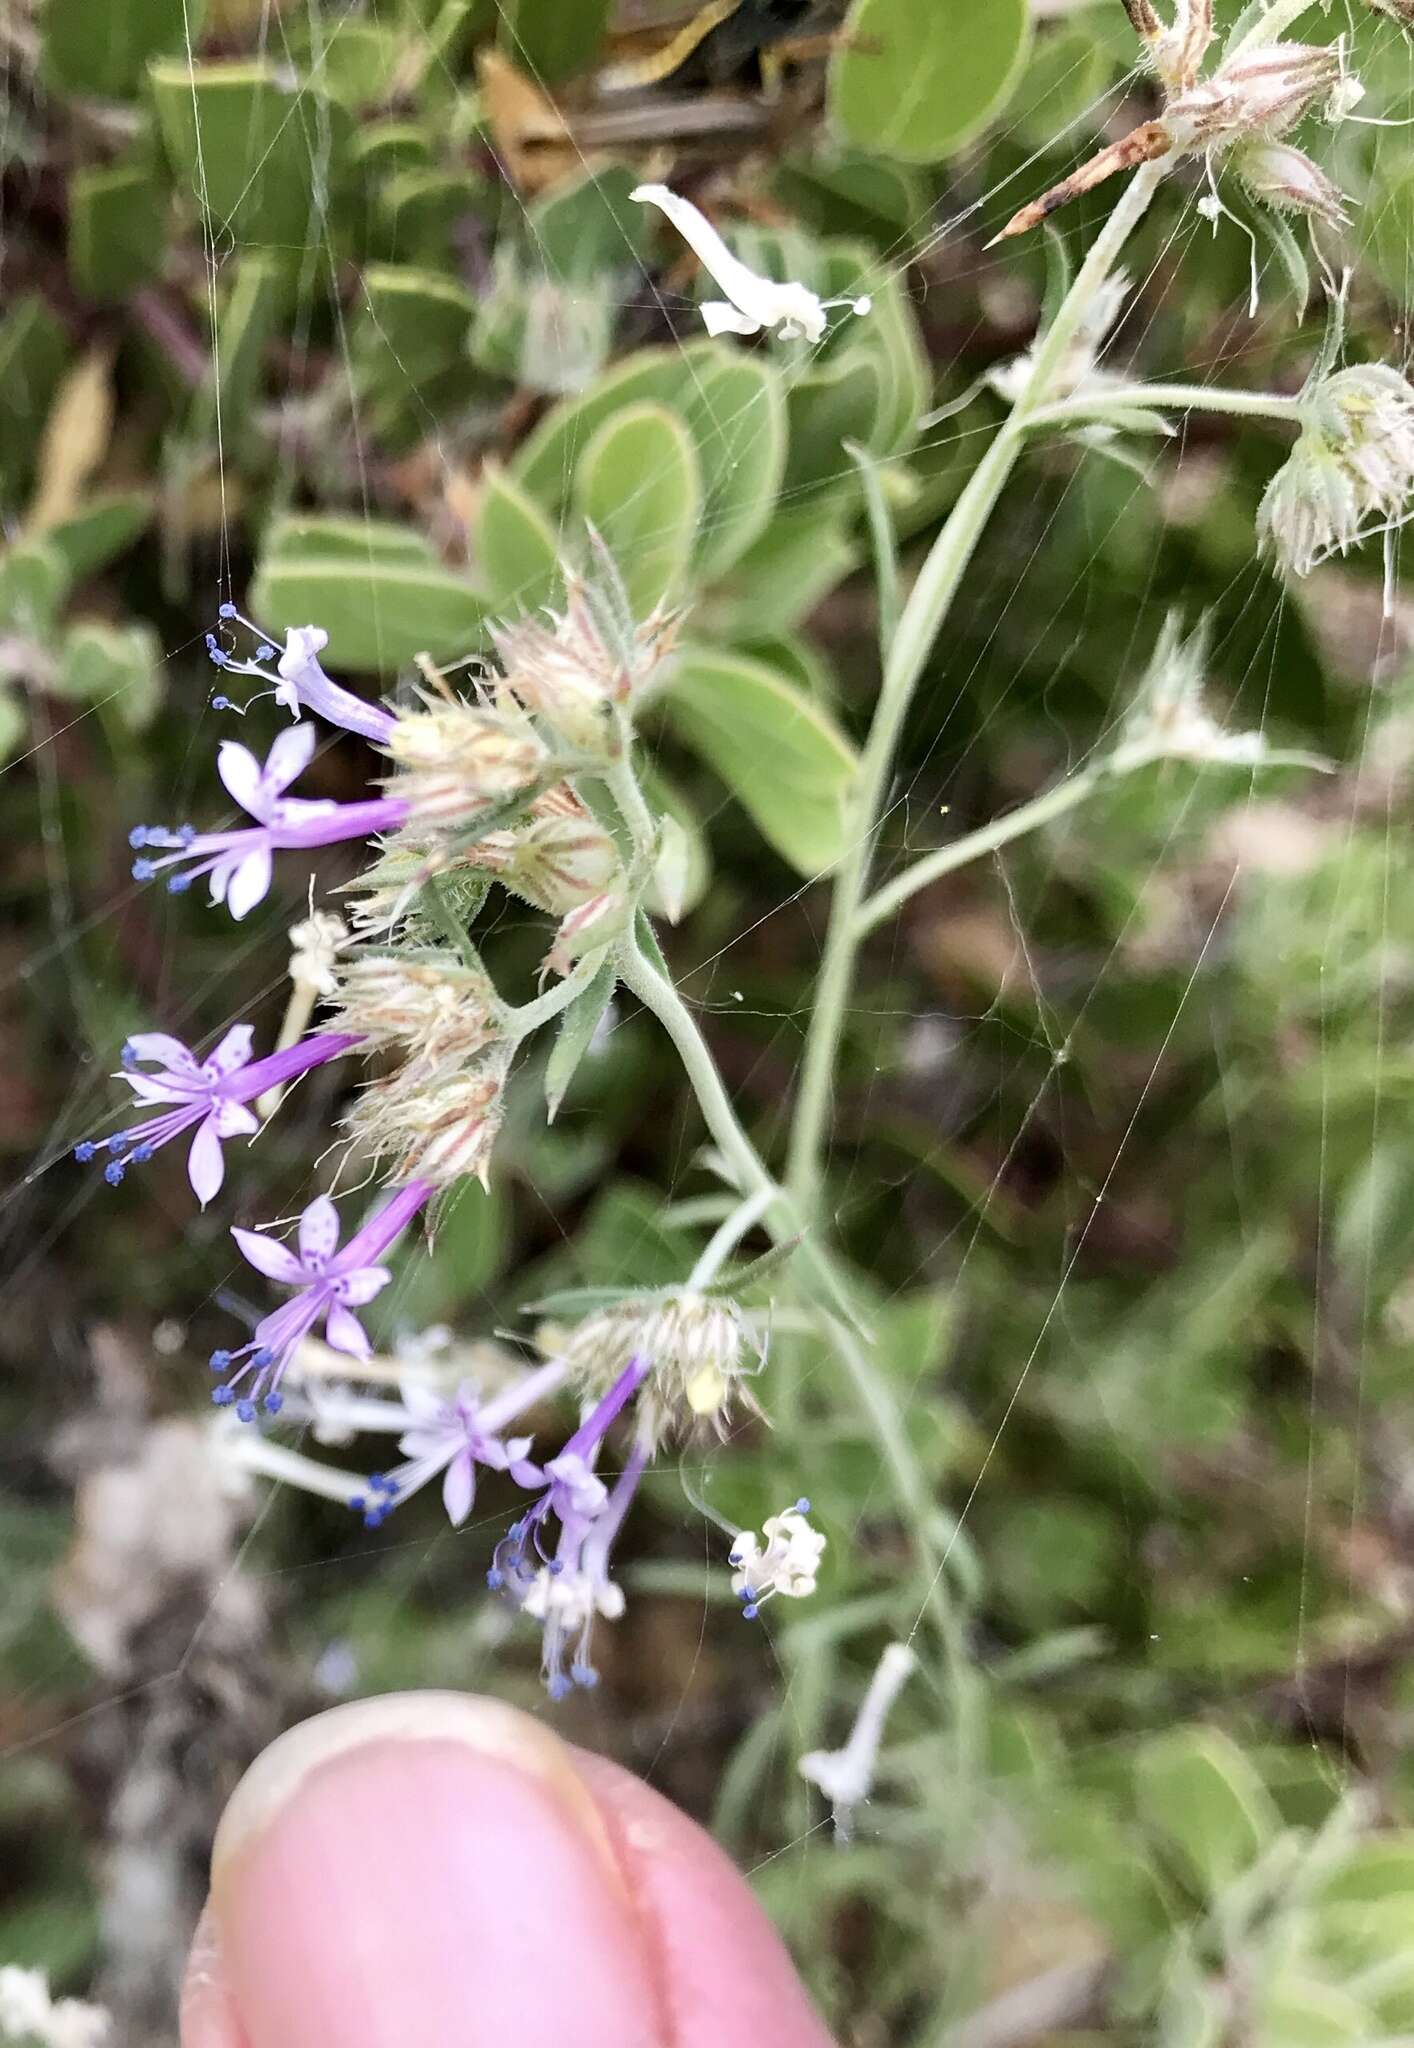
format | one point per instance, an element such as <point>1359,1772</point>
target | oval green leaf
<point>516,550</point>
<point>783,757</point>
<point>380,593</point>
<point>735,412</point>
<point>638,482</point>
<point>917,82</point>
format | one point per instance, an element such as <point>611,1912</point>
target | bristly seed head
<point>701,1350</point>
<point>592,657</point>
<point>455,759</point>
<point>438,1121</point>
<point>1351,472</point>
<point>432,1005</point>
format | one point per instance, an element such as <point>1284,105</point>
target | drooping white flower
<point>788,1562</point>
<point>752,302</point>
<point>846,1776</point>
<point>1350,475</point>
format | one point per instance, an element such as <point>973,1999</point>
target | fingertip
<point>433,1867</point>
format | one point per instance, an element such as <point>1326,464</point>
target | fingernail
<point>426,1868</point>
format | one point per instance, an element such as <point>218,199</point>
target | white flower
<point>755,302</point>
<point>845,1776</point>
<point>314,943</point>
<point>27,2013</point>
<point>787,1563</point>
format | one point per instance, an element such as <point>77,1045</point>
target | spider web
<point>1010,1076</point>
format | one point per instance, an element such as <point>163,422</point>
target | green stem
<point>530,1016</point>
<point>624,787</point>
<point>1128,398</point>
<point>918,627</point>
<point>728,1235</point>
<point>1052,803</point>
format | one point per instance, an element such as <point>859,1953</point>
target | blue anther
<point>223,1396</point>
<point>750,1611</point>
<point>802,1506</point>
<point>246,1410</point>
<point>220,702</point>
<point>186,833</point>
<point>274,1403</point>
<point>226,611</point>
<point>177,885</point>
<point>84,1151</point>
<point>129,1054</point>
<point>495,1580</point>
<point>143,871</point>
<point>262,1357</point>
<point>219,1361</point>
<point>138,836</point>
<point>265,652</point>
<point>141,1154</point>
<point>557,1685</point>
<point>357,1503</point>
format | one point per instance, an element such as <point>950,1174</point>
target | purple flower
<point>299,680</point>
<point>239,863</point>
<point>331,1283</point>
<point>210,1093</point>
<point>567,1587</point>
<point>454,1437</point>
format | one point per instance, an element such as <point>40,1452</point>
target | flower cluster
<point>480,791</point>
<point>1351,473</point>
<point>1238,115</point>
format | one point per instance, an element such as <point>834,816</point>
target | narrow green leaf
<point>881,535</point>
<point>101,529</point>
<point>784,758</point>
<point>919,83</point>
<point>577,1027</point>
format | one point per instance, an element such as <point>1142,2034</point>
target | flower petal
<point>164,1050</point>
<point>303,644</point>
<point>206,1169</point>
<point>362,1284</point>
<point>240,771</point>
<point>234,1120</point>
<point>756,296</point>
<point>232,1052</point>
<point>459,1488</point>
<point>318,1230</point>
<point>720,318</point>
<point>288,758</point>
<point>249,882</point>
<point>345,1332</point>
<point>268,1256</point>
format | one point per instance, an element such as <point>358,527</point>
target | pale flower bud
<point>435,1006</point>
<point>559,863</point>
<point>1351,472</point>
<point>437,1125</point>
<point>1287,179</point>
<point>573,672</point>
<point>455,760</point>
<point>1263,91</point>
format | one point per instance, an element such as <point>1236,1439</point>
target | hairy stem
<point>1274,21</point>
<point>918,627</point>
<point>1118,399</point>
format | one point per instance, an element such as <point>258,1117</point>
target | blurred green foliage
<point>347,312</point>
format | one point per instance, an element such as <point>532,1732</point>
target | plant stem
<point>728,1235</point>
<point>918,627</point>
<point>530,1016</point>
<point>1129,398</point>
<point>1052,803</point>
